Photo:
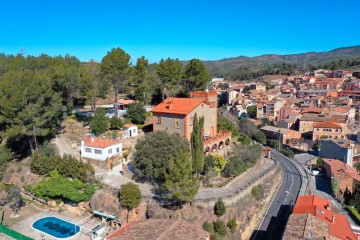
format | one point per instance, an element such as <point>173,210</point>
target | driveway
<point>115,179</point>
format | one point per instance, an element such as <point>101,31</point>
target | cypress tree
<point>197,145</point>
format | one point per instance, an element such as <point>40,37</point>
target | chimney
<point>171,104</point>
<point>333,218</point>
<point>92,139</point>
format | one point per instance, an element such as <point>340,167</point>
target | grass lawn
<point>354,212</point>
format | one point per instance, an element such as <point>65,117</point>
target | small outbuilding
<point>131,130</point>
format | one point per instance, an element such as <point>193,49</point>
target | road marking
<point>267,210</point>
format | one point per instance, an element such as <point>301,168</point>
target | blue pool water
<point>56,227</point>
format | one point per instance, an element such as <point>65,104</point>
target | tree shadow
<point>276,226</point>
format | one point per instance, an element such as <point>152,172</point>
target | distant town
<point>118,150</point>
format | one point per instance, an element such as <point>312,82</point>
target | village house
<point>342,149</point>
<point>327,130</point>
<point>100,149</point>
<point>313,218</point>
<point>349,112</point>
<point>285,136</point>
<point>307,120</point>
<point>176,115</point>
<point>276,82</point>
<point>261,87</point>
<point>347,176</point>
<point>273,107</point>
<point>131,130</point>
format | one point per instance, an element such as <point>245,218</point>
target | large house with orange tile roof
<point>100,149</point>
<point>328,130</point>
<point>176,116</point>
<point>312,217</point>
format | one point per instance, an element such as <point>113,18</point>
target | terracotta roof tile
<point>341,109</point>
<point>159,229</point>
<point>312,110</point>
<point>129,125</point>
<point>181,106</point>
<point>327,125</point>
<point>98,142</point>
<point>314,205</point>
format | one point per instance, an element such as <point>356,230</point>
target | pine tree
<point>180,185</point>
<point>197,145</point>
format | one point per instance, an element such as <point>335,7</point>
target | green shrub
<point>220,227</point>
<point>99,123</point>
<point>209,227</point>
<point>288,152</point>
<point>219,208</point>
<point>116,123</point>
<point>244,139</point>
<point>232,224</point>
<point>130,195</point>
<point>5,157</point>
<point>67,166</point>
<point>215,236</point>
<point>136,113</point>
<point>225,124</point>
<point>257,192</point>
<point>235,167</point>
<point>62,188</point>
<point>219,162</point>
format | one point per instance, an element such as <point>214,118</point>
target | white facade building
<point>99,148</point>
<point>131,130</point>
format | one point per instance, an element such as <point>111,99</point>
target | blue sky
<point>186,29</point>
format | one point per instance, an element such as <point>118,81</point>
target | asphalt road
<point>275,219</point>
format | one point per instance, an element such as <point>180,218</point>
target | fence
<point>12,234</point>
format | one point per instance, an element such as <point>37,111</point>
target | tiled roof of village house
<point>327,125</point>
<point>129,125</point>
<point>313,117</point>
<point>312,110</point>
<point>98,142</point>
<point>316,206</point>
<point>126,101</point>
<point>159,229</point>
<point>342,109</point>
<point>181,106</point>
<point>338,166</point>
<point>301,226</point>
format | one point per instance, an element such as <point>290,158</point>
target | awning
<point>104,215</point>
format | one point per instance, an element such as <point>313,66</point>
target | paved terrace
<point>25,226</point>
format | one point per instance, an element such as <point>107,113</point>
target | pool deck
<point>25,226</point>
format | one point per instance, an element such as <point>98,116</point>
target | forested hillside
<point>251,67</point>
<point>36,93</point>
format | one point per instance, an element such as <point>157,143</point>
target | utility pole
<point>279,140</point>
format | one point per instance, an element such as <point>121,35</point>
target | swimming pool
<point>56,227</point>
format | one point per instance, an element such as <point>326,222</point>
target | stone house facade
<point>176,116</point>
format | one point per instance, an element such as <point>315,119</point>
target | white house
<point>131,130</point>
<point>99,148</point>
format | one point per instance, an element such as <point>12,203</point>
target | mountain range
<point>228,66</point>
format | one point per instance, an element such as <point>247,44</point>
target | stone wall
<point>242,192</point>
